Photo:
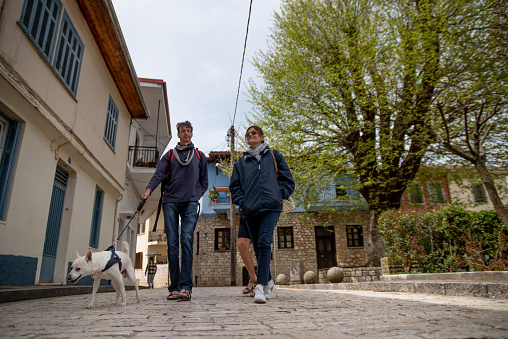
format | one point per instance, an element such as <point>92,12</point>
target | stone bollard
<point>296,271</point>
<point>282,279</point>
<point>335,275</point>
<point>385,267</point>
<point>310,277</point>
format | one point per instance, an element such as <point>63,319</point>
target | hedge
<point>449,240</point>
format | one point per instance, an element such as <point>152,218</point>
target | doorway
<point>53,225</point>
<point>325,247</point>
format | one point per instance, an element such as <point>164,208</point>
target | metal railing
<point>140,156</point>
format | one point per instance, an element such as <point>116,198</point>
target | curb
<point>19,293</point>
<point>493,290</point>
<point>484,276</point>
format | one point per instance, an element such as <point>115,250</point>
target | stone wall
<point>213,268</point>
<point>354,274</point>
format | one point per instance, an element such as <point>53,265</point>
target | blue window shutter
<point>39,19</point>
<point>96,218</point>
<point>69,54</point>
<point>111,124</point>
<point>7,163</point>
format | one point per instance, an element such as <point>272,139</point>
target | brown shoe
<point>184,295</point>
<point>173,295</point>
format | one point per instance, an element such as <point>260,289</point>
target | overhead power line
<point>241,69</point>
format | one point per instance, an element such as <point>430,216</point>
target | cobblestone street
<point>223,312</point>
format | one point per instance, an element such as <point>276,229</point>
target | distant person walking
<point>151,270</point>
<point>187,172</point>
<point>258,191</point>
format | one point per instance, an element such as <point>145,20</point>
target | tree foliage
<point>350,87</point>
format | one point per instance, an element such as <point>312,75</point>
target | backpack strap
<point>171,156</point>
<point>275,163</point>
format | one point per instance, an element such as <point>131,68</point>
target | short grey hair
<point>186,123</point>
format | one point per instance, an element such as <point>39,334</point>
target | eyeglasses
<point>252,133</point>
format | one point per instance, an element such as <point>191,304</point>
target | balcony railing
<point>140,156</point>
<point>222,200</point>
<point>158,236</point>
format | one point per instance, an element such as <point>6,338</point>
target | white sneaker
<point>269,289</point>
<point>259,295</point>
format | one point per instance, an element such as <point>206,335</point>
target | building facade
<point>68,91</point>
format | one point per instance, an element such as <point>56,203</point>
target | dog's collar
<point>113,260</point>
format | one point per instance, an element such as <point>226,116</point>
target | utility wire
<point>241,69</point>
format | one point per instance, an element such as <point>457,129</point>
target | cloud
<point>196,46</point>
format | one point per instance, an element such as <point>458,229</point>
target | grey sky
<point>196,46</point>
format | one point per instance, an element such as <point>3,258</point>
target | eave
<point>103,24</point>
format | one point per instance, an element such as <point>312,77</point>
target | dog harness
<point>113,260</point>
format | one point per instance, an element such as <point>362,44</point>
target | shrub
<point>448,240</point>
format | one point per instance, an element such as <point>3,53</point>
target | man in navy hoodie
<point>188,181</point>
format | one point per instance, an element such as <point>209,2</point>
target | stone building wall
<point>213,268</point>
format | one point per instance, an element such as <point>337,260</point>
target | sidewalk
<point>18,293</point>
<point>476,284</point>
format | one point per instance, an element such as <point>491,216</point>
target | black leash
<point>159,212</point>
<point>141,204</point>
<point>114,257</point>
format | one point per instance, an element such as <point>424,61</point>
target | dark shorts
<point>243,231</point>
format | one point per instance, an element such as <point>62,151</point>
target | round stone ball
<point>282,279</point>
<point>310,277</point>
<point>335,275</point>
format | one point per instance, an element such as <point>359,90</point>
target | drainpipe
<point>2,9</point>
<point>116,222</point>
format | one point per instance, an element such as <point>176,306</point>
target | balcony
<point>221,200</point>
<point>157,238</point>
<point>140,156</point>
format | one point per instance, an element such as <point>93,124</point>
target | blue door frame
<point>53,225</point>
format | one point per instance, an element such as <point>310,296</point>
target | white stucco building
<point>68,93</point>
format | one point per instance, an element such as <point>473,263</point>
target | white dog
<point>105,265</point>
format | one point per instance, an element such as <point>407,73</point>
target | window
<point>416,194</point>
<point>40,20</point>
<point>286,237</point>
<point>354,235</point>
<point>341,192</point>
<point>96,218</point>
<point>111,123</point>
<point>69,54</point>
<point>222,239</point>
<point>139,261</point>
<point>436,194</point>
<point>479,194</point>
<point>10,132</point>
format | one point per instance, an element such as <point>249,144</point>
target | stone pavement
<point>223,312</point>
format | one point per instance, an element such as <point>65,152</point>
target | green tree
<point>350,85</point>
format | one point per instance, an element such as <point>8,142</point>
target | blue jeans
<point>181,278</point>
<point>261,227</point>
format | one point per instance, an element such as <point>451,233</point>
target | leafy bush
<point>448,240</point>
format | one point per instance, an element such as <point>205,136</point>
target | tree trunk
<point>492,192</point>
<point>377,249</point>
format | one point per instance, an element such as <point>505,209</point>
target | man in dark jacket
<point>188,181</point>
